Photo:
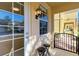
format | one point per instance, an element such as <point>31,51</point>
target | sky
<point>17,17</point>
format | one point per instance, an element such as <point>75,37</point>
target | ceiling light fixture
<point>15,9</point>
<point>39,12</point>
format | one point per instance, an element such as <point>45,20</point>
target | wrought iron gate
<point>66,42</point>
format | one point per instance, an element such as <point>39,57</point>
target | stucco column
<point>26,28</point>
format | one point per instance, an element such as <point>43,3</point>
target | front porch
<point>58,18</point>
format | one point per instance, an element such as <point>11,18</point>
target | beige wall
<point>66,17</point>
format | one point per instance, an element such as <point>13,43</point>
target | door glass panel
<point>11,28</point>
<point>18,29</point>
<point>5,28</point>
<point>19,8</point>
<point>6,6</point>
<point>18,20</point>
<point>5,17</point>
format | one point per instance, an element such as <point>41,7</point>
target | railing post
<point>54,40</point>
<point>78,45</point>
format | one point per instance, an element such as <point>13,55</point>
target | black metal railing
<point>65,41</point>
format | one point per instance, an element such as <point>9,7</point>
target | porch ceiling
<point>56,4</point>
<point>62,6</point>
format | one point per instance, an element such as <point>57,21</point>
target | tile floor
<point>59,52</point>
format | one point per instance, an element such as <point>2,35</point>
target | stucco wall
<point>66,17</point>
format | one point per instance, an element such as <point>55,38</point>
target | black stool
<point>41,51</point>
